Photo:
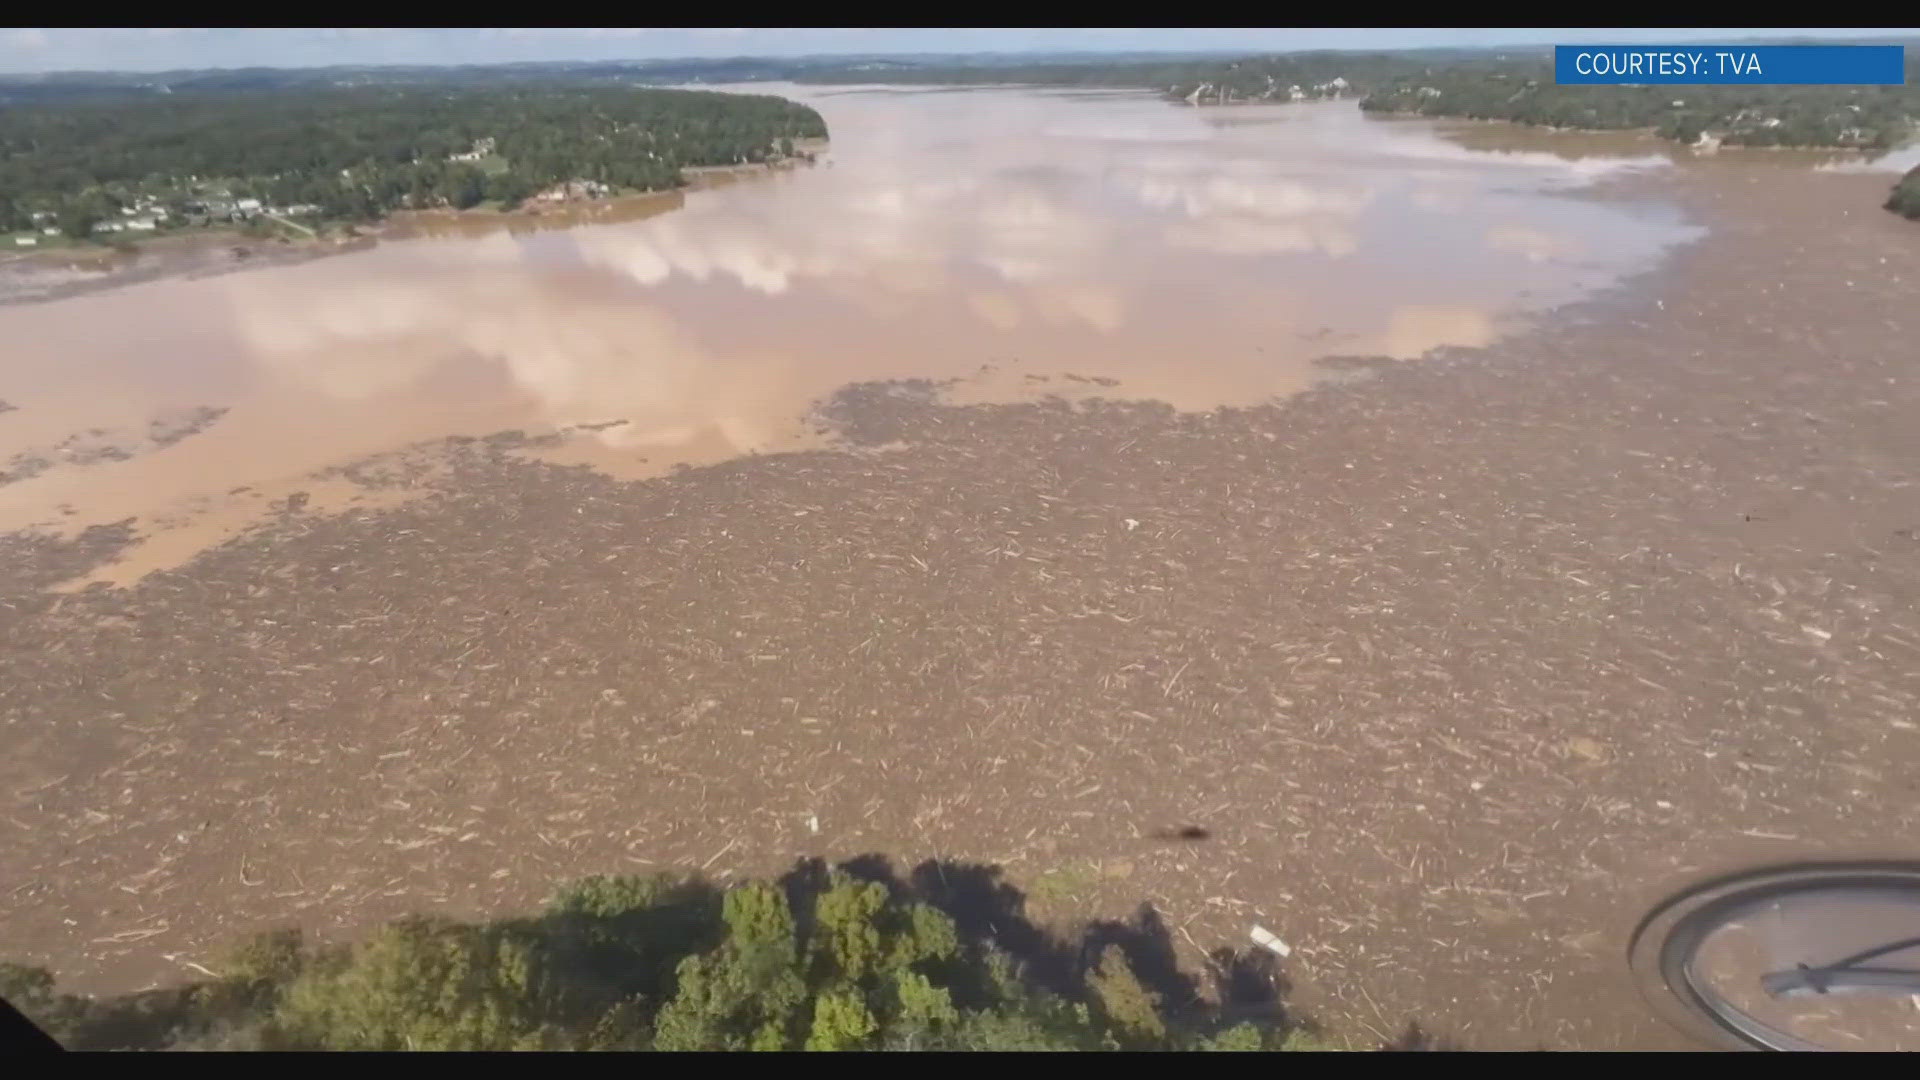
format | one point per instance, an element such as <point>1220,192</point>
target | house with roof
<point>481,148</point>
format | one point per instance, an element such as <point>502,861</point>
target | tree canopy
<point>847,958</point>
<point>359,152</point>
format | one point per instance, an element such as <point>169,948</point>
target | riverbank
<point>77,270</point>
<point>30,276</point>
<point>537,216</point>
<point>1710,144</point>
<point>531,217</point>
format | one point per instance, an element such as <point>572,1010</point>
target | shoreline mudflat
<point>1460,666</point>
<point>60,273</point>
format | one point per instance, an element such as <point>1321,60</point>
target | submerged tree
<point>1905,199</point>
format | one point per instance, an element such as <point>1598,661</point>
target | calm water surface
<point>1006,238</point>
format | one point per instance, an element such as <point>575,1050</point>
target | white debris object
<point>1131,524</point>
<point>1267,940</point>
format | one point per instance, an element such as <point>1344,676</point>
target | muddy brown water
<point>1009,240</point>
<point>1459,664</point>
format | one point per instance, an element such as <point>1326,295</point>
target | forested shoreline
<point>1516,86</point>
<point>88,162</point>
<point>1849,117</point>
<point>1512,85</point>
<point>86,153</point>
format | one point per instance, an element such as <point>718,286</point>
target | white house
<point>481,148</point>
<point>26,241</point>
<point>574,189</point>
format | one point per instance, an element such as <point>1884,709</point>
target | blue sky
<point>142,49</point>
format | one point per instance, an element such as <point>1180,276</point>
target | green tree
<point>1243,1038</point>
<point>256,973</point>
<point>841,1021</point>
<point>467,187</point>
<point>77,219</point>
<point>1129,1008</point>
<point>508,189</point>
<point>425,984</point>
<point>1905,199</point>
<point>747,994</point>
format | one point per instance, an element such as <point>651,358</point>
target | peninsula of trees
<point>1851,117</point>
<point>81,162</point>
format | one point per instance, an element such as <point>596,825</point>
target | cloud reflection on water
<point>1199,257</point>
